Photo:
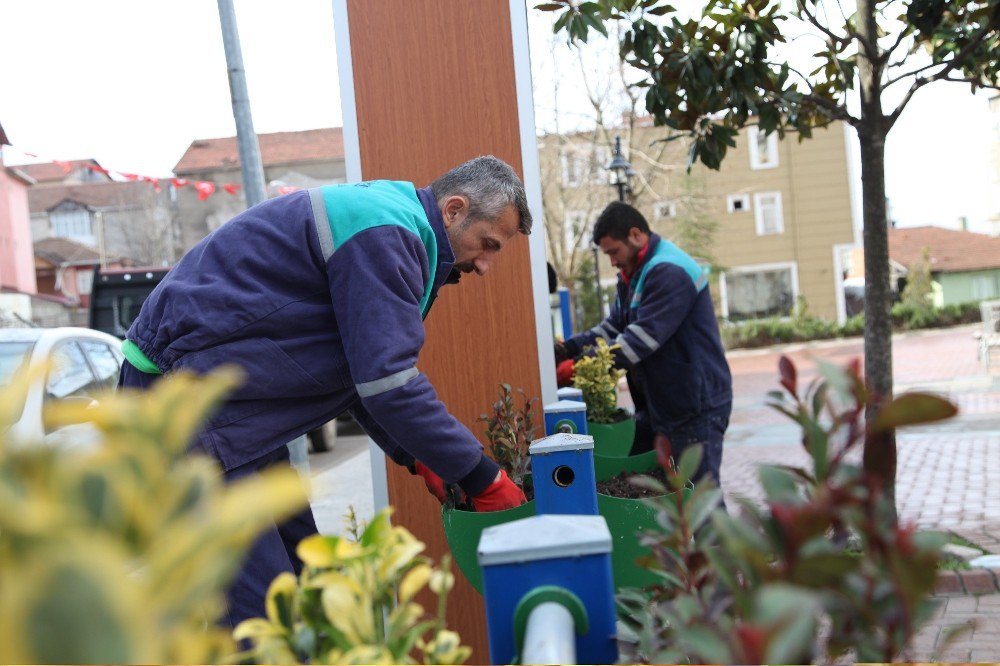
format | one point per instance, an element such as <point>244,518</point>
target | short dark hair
<point>617,220</point>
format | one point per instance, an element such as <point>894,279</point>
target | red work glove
<point>564,373</point>
<point>434,483</point>
<point>499,495</point>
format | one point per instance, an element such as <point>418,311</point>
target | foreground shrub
<point>354,604</point>
<point>758,588</point>
<point>120,554</point>
<point>595,374</point>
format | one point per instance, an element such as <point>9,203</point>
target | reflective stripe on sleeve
<point>395,380</point>
<point>627,350</point>
<point>644,337</point>
<point>322,221</point>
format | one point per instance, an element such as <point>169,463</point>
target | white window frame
<point>600,175</point>
<point>84,281</point>
<point>569,157</point>
<point>757,268</point>
<point>66,222</point>
<point>733,198</point>
<point>759,208</point>
<point>568,224</point>
<point>669,205</point>
<point>980,281</point>
<point>770,160</point>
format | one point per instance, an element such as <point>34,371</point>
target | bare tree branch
<point>814,20</point>
<point>909,74</point>
<point>948,67</point>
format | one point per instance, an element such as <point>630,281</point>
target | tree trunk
<point>880,453</point>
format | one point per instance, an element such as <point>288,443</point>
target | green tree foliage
<point>120,553</point>
<point>708,76</point>
<point>770,586</point>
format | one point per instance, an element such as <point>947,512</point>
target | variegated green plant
<point>596,376</point>
<point>121,553</point>
<point>354,603</point>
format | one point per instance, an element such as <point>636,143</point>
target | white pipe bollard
<point>550,637</point>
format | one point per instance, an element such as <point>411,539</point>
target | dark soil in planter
<point>619,415</point>
<point>622,486</point>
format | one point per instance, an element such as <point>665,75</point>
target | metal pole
<point>250,164</point>
<point>550,637</point>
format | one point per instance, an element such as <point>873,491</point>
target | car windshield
<point>12,356</point>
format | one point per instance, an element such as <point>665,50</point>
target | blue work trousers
<point>706,430</point>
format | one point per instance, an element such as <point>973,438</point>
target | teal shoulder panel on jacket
<point>668,253</point>
<point>351,209</point>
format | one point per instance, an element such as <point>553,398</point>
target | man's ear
<point>454,209</point>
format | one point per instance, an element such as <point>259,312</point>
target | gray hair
<point>490,185</point>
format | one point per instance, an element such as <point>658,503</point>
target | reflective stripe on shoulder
<point>395,380</point>
<point>322,221</point>
<point>644,337</point>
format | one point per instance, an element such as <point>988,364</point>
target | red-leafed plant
<point>822,568</point>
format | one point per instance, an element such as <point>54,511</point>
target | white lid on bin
<point>561,441</point>
<point>544,537</point>
<point>565,406</point>
<point>568,392</point>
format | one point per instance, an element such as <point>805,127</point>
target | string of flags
<point>204,188</point>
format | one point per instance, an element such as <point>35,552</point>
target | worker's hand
<point>435,484</point>
<point>499,495</point>
<point>561,353</point>
<point>564,373</point>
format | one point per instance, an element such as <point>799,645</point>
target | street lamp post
<point>623,173</point>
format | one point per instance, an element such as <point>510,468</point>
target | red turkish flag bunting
<point>66,166</point>
<point>231,188</point>
<point>205,189</point>
<point>180,182</point>
<point>287,189</point>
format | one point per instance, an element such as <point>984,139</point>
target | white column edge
<point>533,188</point>
<point>352,169</point>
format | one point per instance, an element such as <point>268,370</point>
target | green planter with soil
<point>510,430</point>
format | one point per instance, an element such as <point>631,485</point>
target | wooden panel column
<point>434,86</point>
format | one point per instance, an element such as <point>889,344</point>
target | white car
<point>83,364</point>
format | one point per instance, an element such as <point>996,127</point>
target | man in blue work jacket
<point>320,297</point>
<point>668,340</point>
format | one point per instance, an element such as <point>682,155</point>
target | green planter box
<point>612,439</point>
<point>626,518</point>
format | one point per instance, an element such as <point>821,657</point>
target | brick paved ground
<point>948,474</point>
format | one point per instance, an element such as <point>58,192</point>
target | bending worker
<point>668,340</point>
<point>320,297</point>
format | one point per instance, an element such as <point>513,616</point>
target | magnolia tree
<point>709,75</point>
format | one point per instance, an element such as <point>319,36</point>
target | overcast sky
<point>132,83</point>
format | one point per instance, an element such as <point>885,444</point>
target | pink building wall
<point>17,258</point>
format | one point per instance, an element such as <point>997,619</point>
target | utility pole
<point>250,164</point>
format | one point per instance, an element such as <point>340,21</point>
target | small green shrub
<point>905,317</point>
<point>596,376</point>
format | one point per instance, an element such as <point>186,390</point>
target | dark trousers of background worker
<point>274,550</point>
<point>706,430</point>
